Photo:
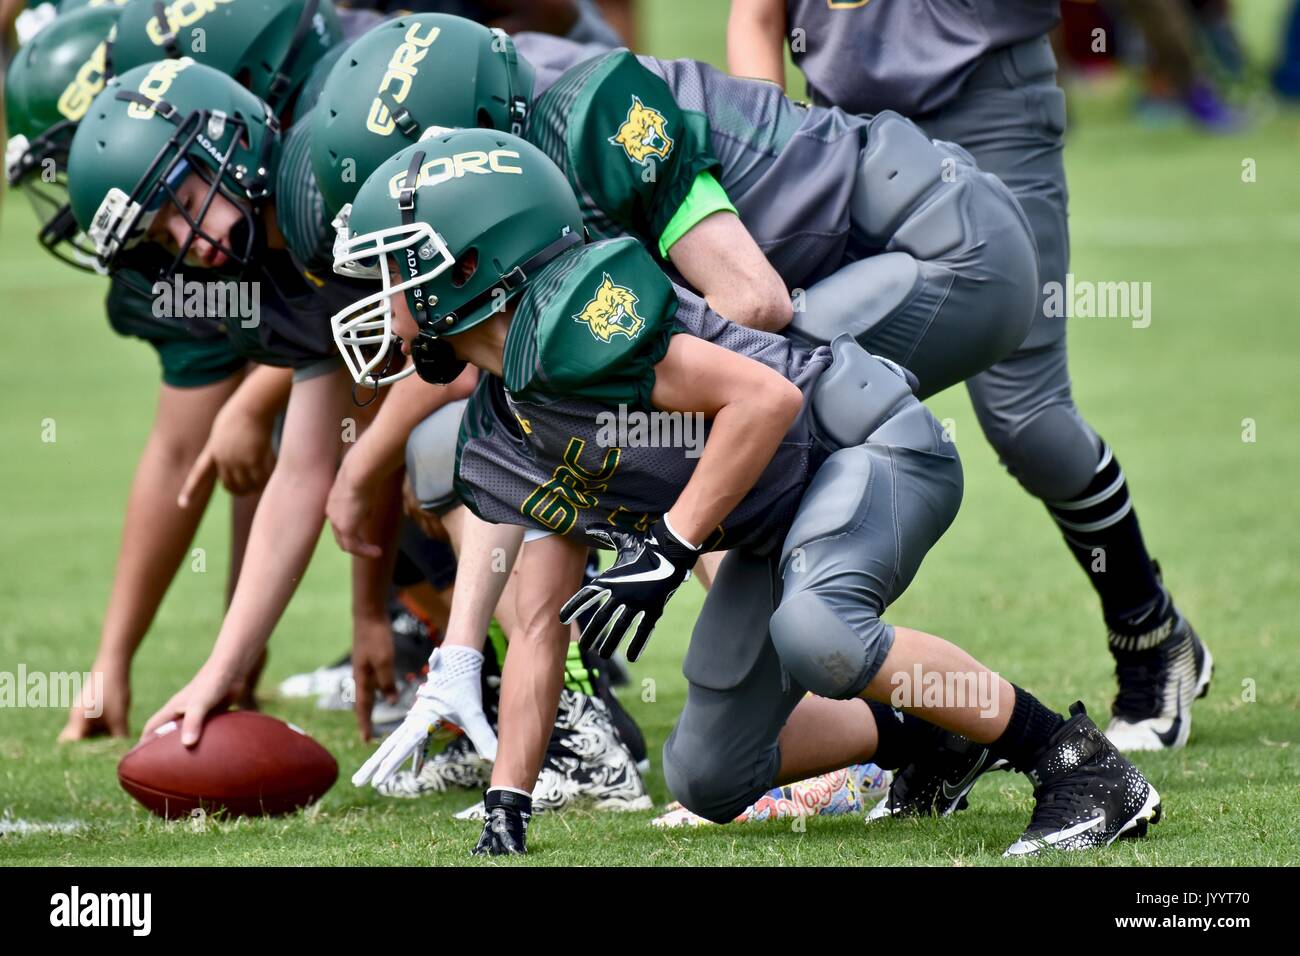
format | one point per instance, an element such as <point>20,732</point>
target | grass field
<point>1166,206</point>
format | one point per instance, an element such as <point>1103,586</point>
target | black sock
<point>1028,732</point>
<point>1101,529</point>
<point>901,738</point>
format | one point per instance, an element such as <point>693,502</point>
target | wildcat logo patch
<point>611,311</point>
<point>643,134</point>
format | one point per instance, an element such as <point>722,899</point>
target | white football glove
<point>451,694</point>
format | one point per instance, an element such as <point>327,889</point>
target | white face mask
<point>363,331</point>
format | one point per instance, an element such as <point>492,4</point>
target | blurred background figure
<point>1286,78</point>
<point>1185,52</point>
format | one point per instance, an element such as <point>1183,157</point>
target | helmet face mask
<point>28,164</point>
<point>124,220</point>
<point>459,224</point>
<point>49,85</point>
<point>363,331</point>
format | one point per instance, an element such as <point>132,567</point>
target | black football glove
<point>506,825</point>
<point>629,597</point>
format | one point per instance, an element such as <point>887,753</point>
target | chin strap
<point>280,82</point>
<point>169,43</point>
<point>509,282</point>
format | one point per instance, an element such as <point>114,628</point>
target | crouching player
<point>822,476</point>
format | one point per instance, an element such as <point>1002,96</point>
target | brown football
<point>245,764</point>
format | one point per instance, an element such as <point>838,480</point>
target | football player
<point>985,77</point>
<point>821,473</point>
<point>878,231</point>
<point>49,86</point>
<point>176,156</point>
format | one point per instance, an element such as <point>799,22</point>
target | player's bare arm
<point>756,40</point>
<point>720,258</point>
<point>751,407</point>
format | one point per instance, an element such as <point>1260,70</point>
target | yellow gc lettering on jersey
<point>443,168</point>
<point>76,96</point>
<point>178,15</point>
<point>156,83</point>
<point>397,79</point>
<point>556,502</point>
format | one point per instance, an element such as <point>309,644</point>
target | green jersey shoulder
<point>593,325</point>
<point>631,153</point>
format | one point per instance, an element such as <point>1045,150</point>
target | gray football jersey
<point>551,465</point>
<point>789,169</point>
<point>911,56</point>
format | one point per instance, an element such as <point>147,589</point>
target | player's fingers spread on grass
<point>200,472</point>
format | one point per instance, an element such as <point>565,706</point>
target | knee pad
<point>900,167</point>
<point>856,298</point>
<point>1052,454</point>
<point>431,456</point>
<point>857,393</point>
<point>716,792</point>
<point>822,651</point>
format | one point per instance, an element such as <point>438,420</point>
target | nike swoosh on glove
<point>505,826</point>
<point>630,596</point>
<point>451,694</point>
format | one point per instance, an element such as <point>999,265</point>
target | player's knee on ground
<point>704,781</point>
<point>831,654</point>
<point>1052,453</point>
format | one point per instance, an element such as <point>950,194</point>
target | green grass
<point>1164,206</point>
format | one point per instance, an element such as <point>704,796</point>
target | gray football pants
<point>949,282</point>
<point>1010,116</point>
<point>809,619</point>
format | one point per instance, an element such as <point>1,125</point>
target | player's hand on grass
<point>238,451</point>
<point>629,597</point>
<point>372,667</point>
<point>452,694</point>
<point>190,706</point>
<point>102,708</point>
<point>505,825</point>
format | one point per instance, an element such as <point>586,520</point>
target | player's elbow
<point>759,303</point>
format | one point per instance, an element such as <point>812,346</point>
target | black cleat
<point>1159,674</point>
<point>1086,793</point>
<point>937,784</point>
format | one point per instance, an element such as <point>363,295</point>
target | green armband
<point>705,198</point>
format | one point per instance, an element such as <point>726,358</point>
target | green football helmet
<point>70,6</point>
<point>48,88</point>
<point>143,135</point>
<point>403,77</point>
<point>269,46</point>
<point>488,200</point>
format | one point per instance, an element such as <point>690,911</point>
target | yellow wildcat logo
<point>642,134</point>
<point>612,311</point>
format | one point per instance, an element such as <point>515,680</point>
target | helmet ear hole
<point>465,267</point>
<point>484,119</point>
